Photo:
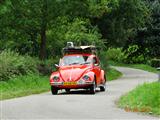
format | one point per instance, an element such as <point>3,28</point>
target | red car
<point>78,69</point>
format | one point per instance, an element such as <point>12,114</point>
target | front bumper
<point>75,86</point>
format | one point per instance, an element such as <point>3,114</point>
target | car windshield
<point>75,59</point>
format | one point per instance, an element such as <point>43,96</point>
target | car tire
<point>67,90</point>
<point>103,88</point>
<point>54,90</point>
<point>93,88</point>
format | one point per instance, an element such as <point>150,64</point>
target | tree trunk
<point>43,31</point>
<point>43,44</point>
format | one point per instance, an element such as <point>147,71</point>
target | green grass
<point>144,98</point>
<point>23,86</point>
<point>144,67</point>
<point>137,66</point>
<point>113,74</point>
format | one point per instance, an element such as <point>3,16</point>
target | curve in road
<point>79,105</point>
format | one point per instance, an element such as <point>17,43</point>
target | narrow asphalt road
<point>79,105</point>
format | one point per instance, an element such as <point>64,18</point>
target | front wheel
<point>54,90</point>
<point>67,90</point>
<point>93,88</point>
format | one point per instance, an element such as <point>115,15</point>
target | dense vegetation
<point>42,27</point>
<point>117,57</point>
<point>144,98</point>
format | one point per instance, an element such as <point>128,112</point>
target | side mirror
<point>56,65</point>
<point>96,64</point>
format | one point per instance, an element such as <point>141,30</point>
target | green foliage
<point>113,74</point>
<point>144,98</point>
<point>79,31</point>
<point>115,54</point>
<point>39,25</point>
<point>155,63</point>
<point>82,32</point>
<point>148,38</point>
<point>46,67</point>
<point>132,56</point>
<point>121,23</point>
<point>104,60</point>
<point>42,27</point>
<point>128,56</point>
<point>23,85</point>
<point>12,64</point>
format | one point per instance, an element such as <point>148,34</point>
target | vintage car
<point>78,69</point>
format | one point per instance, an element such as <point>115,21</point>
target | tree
<point>122,21</point>
<point>148,37</point>
<point>31,18</point>
<point>27,22</point>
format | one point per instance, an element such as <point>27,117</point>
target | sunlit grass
<point>24,85</point>
<point>144,98</point>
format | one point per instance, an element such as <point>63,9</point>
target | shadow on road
<point>78,92</point>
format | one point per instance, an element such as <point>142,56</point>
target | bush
<point>104,60</point>
<point>132,55</point>
<point>12,64</point>
<point>155,63</point>
<point>115,54</point>
<point>47,66</point>
<point>129,55</point>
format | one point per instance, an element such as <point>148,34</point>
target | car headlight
<point>86,77</point>
<point>55,78</point>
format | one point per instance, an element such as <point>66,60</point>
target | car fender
<point>90,74</point>
<point>103,75</point>
<point>53,74</point>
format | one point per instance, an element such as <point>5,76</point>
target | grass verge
<point>137,66</point>
<point>23,86</point>
<point>144,98</point>
<point>113,74</point>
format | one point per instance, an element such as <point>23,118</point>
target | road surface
<point>79,105</point>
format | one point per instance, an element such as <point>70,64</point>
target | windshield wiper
<point>85,63</point>
<point>73,63</point>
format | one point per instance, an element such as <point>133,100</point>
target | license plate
<point>69,83</point>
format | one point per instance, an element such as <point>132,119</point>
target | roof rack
<point>79,50</point>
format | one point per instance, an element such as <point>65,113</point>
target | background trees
<point>42,27</point>
<point>121,23</point>
<point>147,38</point>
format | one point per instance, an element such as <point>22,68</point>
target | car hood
<point>72,73</point>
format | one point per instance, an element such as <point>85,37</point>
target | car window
<point>74,59</point>
<point>95,61</point>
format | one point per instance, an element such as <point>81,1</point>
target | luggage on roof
<point>71,49</point>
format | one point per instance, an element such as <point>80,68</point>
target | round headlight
<point>55,78</point>
<point>85,77</point>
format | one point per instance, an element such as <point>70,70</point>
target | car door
<point>97,70</point>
